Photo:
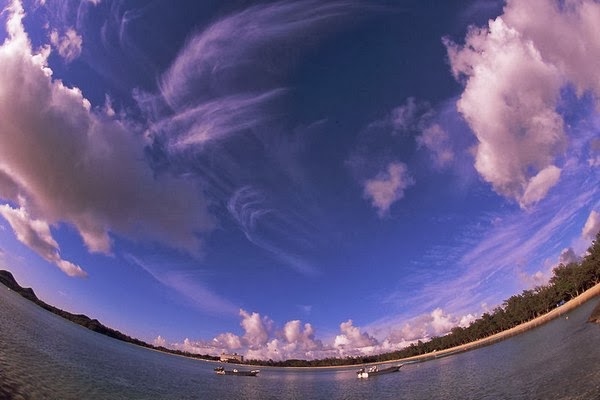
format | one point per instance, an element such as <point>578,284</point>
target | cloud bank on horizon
<point>237,145</point>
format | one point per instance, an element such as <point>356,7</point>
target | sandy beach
<point>557,312</point>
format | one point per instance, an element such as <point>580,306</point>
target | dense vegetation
<point>568,281</point>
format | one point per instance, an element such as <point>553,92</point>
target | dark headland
<point>7,279</point>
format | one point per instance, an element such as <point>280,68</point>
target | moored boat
<point>375,370</point>
<point>235,371</point>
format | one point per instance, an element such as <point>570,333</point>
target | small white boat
<point>235,371</point>
<point>374,370</point>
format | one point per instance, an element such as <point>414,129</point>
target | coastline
<point>487,341</point>
<point>495,338</point>
<point>7,279</point>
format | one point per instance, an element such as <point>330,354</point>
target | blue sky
<point>295,179</point>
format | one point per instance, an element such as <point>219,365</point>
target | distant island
<point>571,285</point>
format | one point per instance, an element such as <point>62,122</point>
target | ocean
<point>43,356</point>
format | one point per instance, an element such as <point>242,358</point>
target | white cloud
<point>298,336</point>
<point>466,320</point>
<point>68,45</point>
<point>62,162</point>
<point>256,329</point>
<point>227,341</point>
<point>188,284</point>
<point>351,341</point>
<point>437,141</point>
<point>159,341</point>
<point>36,234</point>
<point>538,185</point>
<point>568,256</point>
<point>509,101</point>
<point>567,36</point>
<point>514,71</point>
<point>262,221</point>
<point>538,278</point>
<point>592,226</point>
<point>425,326</point>
<point>388,187</point>
<point>206,86</point>
<point>297,340</point>
<point>262,341</point>
<point>413,115</point>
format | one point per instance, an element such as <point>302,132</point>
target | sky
<point>295,179</point>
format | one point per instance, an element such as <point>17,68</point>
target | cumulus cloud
<point>63,162</point>
<point>428,325</point>
<point>261,340</point>
<point>566,34</point>
<point>592,226</point>
<point>514,71</point>
<point>159,341</point>
<point>568,256</point>
<point>256,329</point>
<point>68,45</point>
<point>538,278</point>
<point>388,187</point>
<point>509,101</point>
<point>36,235</point>
<point>351,341</point>
<point>227,341</point>
<point>297,340</point>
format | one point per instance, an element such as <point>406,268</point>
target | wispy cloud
<point>187,283</point>
<point>206,88</point>
<point>281,233</point>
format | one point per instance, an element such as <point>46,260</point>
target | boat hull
<point>235,372</point>
<point>362,374</point>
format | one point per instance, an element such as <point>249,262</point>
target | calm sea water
<point>45,357</point>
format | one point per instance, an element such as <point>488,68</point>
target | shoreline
<point>495,338</point>
<point>524,327</point>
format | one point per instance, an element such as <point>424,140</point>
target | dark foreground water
<point>45,357</point>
